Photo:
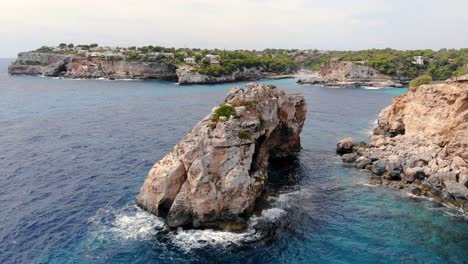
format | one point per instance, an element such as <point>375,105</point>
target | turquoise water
<point>75,153</point>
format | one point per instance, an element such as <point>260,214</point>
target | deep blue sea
<point>74,154</point>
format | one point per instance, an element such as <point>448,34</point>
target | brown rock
<point>344,146</point>
<point>213,176</point>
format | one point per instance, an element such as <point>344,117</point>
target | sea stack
<point>349,74</point>
<point>213,177</point>
<point>420,143</point>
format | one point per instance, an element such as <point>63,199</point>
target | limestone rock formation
<point>349,74</point>
<point>56,65</point>
<point>215,174</point>
<point>421,141</point>
<point>35,63</point>
<point>97,68</point>
<point>188,75</point>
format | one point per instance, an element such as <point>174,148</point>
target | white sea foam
<point>141,225</point>
<point>422,197</point>
<point>188,240</point>
<point>371,88</point>
<point>133,223</point>
<point>272,214</point>
<point>129,222</point>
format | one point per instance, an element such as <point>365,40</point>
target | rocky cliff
<point>188,75</point>
<point>216,173</point>
<point>349,74</point>
<point>420,143</point>
<point>48,64</point>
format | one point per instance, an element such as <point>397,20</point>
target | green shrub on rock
<point>423,79</point>
<point>225,110</point>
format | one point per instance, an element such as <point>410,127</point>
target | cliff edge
<point>349,74</point>
<point>420,143</point>
<point>216,173</point>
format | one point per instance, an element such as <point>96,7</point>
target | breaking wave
<point>133,223</point>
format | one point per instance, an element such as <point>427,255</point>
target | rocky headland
<point>348,74</point>
<point>214,176</point>
<point>420,144</point>
<point>188,75</point>
<point>68,66</point>
<point>77,67</point>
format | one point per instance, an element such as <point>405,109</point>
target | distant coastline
<point>197,66</point>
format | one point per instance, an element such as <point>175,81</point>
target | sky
<point>240,24</point>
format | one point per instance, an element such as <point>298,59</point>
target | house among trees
<point>214,59</point>
<point>190,60</point>
<point>418,60</point>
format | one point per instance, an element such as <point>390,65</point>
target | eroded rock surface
<point>349,74</point>
<point>56,65</point>
<point>215,174</point>
<point>421,143</point>
<point>188,75</point>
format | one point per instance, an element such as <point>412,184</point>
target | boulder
<point>362,162</point>
<point>348,158</point>
<point>216,173</point>
<point>416,191</point>
<point>345,146</point>
<point>379,167</point>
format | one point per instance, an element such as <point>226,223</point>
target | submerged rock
<point>422,139</point>
<point>216,173</point>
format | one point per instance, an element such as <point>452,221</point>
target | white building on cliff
<point>418,60</point>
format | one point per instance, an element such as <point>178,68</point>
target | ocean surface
<point>74,154</point>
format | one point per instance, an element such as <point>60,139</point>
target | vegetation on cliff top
<point>440,65</point>
<point>423,79</point>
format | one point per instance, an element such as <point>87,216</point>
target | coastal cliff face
<point>32,63</point>
<point>420,143</point>
<point>85,68</point>
<point>187,75</point>
<point>349,74</point>
<point>216,173</point>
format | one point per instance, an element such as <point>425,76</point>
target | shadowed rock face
<point>346,73</point>
<point>421,141</point>
<point>215,174</point>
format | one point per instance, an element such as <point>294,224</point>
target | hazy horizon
<point>259,24</point>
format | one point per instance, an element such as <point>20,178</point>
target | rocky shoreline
<point>420,144</point>
<point>348,74</point>
<point>75,67</point>
<point>214,176</point>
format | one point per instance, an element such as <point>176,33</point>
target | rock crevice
<point>216,173</point>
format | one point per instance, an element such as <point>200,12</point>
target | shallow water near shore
<point>74,154</point>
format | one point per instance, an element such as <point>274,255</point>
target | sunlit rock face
<point>349,74</point>
<point>421,143</point>
<point>216,173</point>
